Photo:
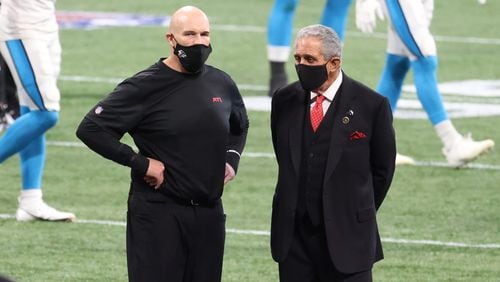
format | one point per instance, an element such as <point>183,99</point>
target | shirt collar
<point>332,90</point>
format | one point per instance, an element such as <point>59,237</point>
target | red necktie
<point>317,112</point>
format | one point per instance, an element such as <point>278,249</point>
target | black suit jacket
<point>359,170</point>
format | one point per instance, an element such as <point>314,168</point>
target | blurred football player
<point>29,43</point>
<point>411,45</point>
<point>279,34</point>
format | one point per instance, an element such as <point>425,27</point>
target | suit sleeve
<point>274,117</point>
<point>238,129</point>
<point>383,152</point>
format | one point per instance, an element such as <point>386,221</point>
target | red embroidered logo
<point>357,135</point>
<point>216,100</point>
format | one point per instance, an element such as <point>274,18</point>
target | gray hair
<point>331,44</point>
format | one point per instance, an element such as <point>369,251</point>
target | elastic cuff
<point>139,164</point>
<point>233,158</point>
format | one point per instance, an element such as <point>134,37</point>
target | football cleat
<point>465,150</point>
<point>404,160</point>
<point>37,209</point>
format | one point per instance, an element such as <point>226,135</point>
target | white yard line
<point>478,166</point>
<point>266,233</point>
<point>79,78</point>
<point>380,35</point>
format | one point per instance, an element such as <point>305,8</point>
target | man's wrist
<point>233,159</point>
<point>139,164</point>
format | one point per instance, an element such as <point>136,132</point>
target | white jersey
<point>22,19</point>
<point>409,22</point>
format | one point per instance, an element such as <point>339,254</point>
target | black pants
<point>8,92</point>
<point>309,260</point>
<point>171,241</point>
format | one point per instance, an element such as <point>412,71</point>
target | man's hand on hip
<point>229,174</point>
<point>154,175</point>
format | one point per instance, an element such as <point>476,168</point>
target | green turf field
<point>438,223</point>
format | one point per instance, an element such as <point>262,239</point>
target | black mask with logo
<point>192,57</point>
<point>311,77</point>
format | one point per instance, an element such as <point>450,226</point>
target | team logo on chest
<point>216,100</point>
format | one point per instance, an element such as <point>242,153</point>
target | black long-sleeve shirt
<point>193,124</point>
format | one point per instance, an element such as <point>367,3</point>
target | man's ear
<point>335,63</point>
<point>170,38</point>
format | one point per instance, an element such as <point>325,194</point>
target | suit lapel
<point>296,121</point>
<point>340,128</point>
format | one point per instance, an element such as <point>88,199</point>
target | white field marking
<point>65,144</point>
<point>271,155</point>
<point>468,88</point>
<point>239,28</point>
<point>417,163</point>
<point>407,108</point>
<point>412,109</point>
<point>439,38</point>
<point>441,243</point>
<point>267,233</point>
<point>472,88</point>
<point>79,78</point>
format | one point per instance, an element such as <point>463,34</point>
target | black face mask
<point>192,57</point>
<point>311,77</point>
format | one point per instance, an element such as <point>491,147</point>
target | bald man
<point>189,123</point>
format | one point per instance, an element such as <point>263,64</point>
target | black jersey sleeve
<point>238,128</point>
<point>122,110</point>
<point>107,122</point>
<point>109,146</point>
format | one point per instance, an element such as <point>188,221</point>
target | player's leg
<point>391,81</point>
<point>390,85</point>
<point>30,75</point>
<point>279,37</point>
<point>410,20</point>
<point>335,16</point>
<point>393,75</point>
<point>24,130</point>
<point>35,77</point>
<point>33,157</point>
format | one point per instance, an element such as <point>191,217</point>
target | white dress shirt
<point>329,93</point>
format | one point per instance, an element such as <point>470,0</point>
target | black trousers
<point>8,92</point>
<point>172,241</point>
<point>309,260</point>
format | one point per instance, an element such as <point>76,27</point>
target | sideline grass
<point>423,203</point>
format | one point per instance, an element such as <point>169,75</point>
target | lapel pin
<point>349,113</point>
